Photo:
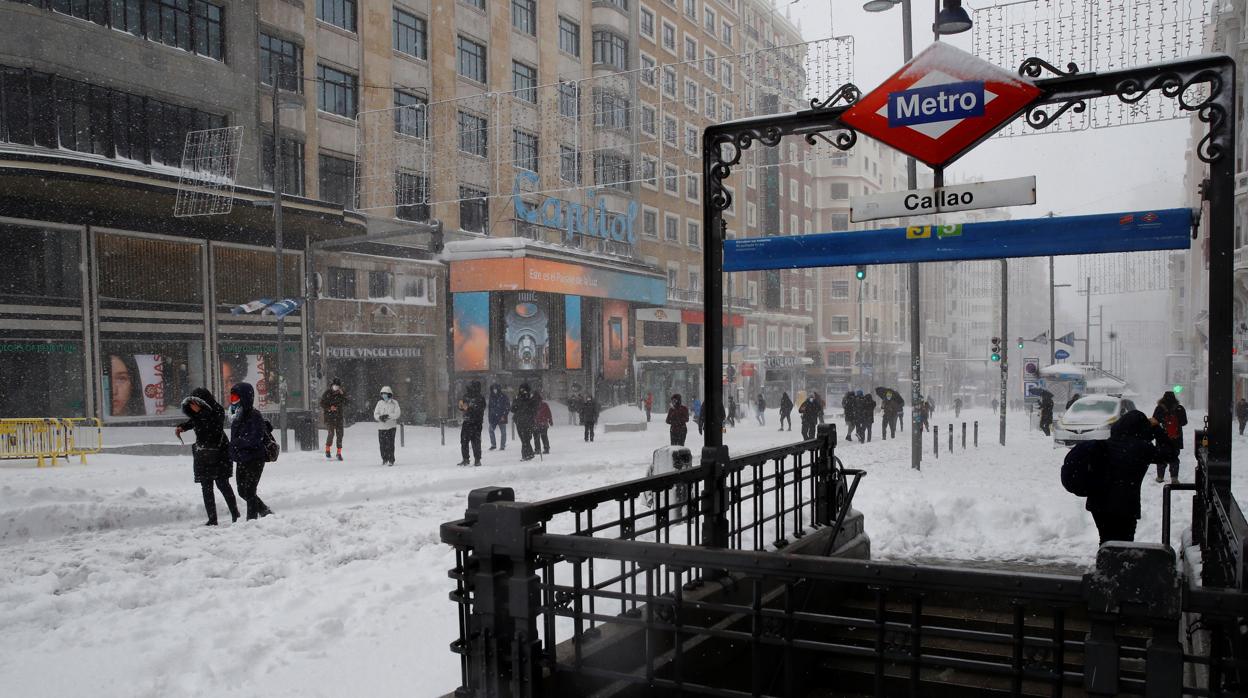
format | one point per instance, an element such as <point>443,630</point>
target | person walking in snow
<point>1123,463</point>
<point>387,414</point>
<point>695,412</point>
<point>589,416</point>
<point>678,421</point>
<point>649,405</point>
<point>248,433</point>
<point>500,408</point>
<point>524,410</point>
<point>542,425</point>
<point>1171,418</point>
<point>760,404</point>
<point>786,411</point>
<point>333,407</point>
<point>699,415</point>
<point>211,451</point>
<point>1241,414</point>
<point>994,405</point>
<point>866,416</point>
<point>848,404</point>
<point>472,416</point>
<point>1046,413</point>
<point>732,411</point>
<point>957,407</point>
<point>809,411</point>
<point>893,407</point>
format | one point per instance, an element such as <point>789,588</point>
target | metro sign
<point>940,104</point>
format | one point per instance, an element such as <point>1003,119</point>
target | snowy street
<point>110,585</point>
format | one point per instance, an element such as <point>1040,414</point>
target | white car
<point>1090,418</point>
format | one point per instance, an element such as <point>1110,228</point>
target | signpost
<point>1005,192</point>
<point>1061,354</point>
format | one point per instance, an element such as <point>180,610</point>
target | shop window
<point>256,363</point>
<point>244,275</point>
<point>143,269</point>
<point>340,282</point>
<point>39,376</point>
<point>147,378</point>
<point>380,284</point>
<point>660,334</point>
<point>50,264</point>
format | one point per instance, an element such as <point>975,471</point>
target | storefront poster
<point>526,332</point>
<point>135,385</point>
<point>471,331</point>
<point>572,332</point>
<point>615,332</point>
<point>248,368</point>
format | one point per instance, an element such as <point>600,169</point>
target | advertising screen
<point>471,331</point>
<point>572,331</point>
<point>526,335</point>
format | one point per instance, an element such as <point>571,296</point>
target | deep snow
<point>111,586</point>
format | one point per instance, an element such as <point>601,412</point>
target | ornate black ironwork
<point>1181,87</point>
<point>847,93</point>
<point>1039,117</point>
<point>1034,67</point>
<point>845,139</point>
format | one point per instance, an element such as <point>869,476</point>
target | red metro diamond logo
<point>940,104</point>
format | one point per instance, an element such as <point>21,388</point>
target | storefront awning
<point>550,276</point>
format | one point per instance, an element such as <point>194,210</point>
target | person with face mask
<point>333,405</point>
<point>210,452</point>
<point>387,414</point>
<point>247,447</point>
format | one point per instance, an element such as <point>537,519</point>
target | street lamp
<point>952,19</point>
<point>879,5</point>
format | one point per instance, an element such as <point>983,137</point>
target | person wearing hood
<point>1241,414</point>
<point>1171,417</point>
<point>1115,501</point>
<point>247,439</point>
<point>333,406</point>
<point>589,416</point>
<point>387,414</point>
<point>849,405</point>
<point>542,424</point>
<point>211,450</point>
<point>732,411</point>
<point>524,409</point>
<point>472,416</point>
<point>760,407</point>
<point>1046,413</point>
<point>809,410</point>
<point>678,421</point>
<point>500,408</point>
<point>866,416</point>
<point>786,411</point>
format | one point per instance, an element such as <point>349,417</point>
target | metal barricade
<point>83,436</point>
<point>42,439</point>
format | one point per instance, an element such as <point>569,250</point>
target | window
<point>340,13</point>
<point>840,290</point>
<point>693,234</point>
<point>710,63</point>
<point>809,299</point>
<point>647,70</point>
<point>410,115</point>
<point>673,276</point>
<point>410,34</point>
<point>610,49</point>
<point>647,22</point>
<point>478,4</point>
<point>283,59</point>
<point>727,33</point>
<point>621,5</point>
<point>611,110</point>
<point>525,150</point>
<point>671,228</point>
<point>712,105</point>
<point>191,25</point>
<point>660,334</point>
<point>524,16</point>
<point>649,171</point>
<point>569,105</point>
<point>691,95</point>
<point>695,282</point>
<point>411,196</point>
<point>691,9</point>
<point>840,160</point>
<point>840,324</point>
<point>751,292</point>
<point>726,110</point>
<point>669,36</point>
<point>693,335</point>
<point>612,170</point>
<point>799,339</point>
<point>751,214</point>
<point>340,282</point>
<point>838,359</point>
<point>786,339</point>
<point>524,81</point>
<point>335,91</point>
<point>335,180</point>
<point>693,191</point>
<point>725,75</point>
<point>691,139</point>
<point>670,127</point>
<point>806,199</point>
<point>473,134</point>
<point>471,59</point>
<point>793,191</point>
<point>569,164</point>
<point>839,221</point>
<point>292,165</point>
<point>838,190</point>
<point>753,336</point>
<point>669,81</point>
<point>671,180</point>
<point>648,118</point>
<point>379,284</point>
<point>569,36</point>
<point>691,48</point>
<point>709,20</point>
<point>793,298</point>
<point>773,339</point>
<point>650,223</point>
<point>474,210</point>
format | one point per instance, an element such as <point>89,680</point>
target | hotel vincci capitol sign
<point>592,218</point>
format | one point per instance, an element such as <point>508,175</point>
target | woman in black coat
<point>1171,418</point>
<point>211,451</point>
<point>1115,502</point>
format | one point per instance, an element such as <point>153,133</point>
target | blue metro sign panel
<point>1132,231</point>
<point>927,105</point>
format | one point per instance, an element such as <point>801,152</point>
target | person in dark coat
<point>893,407</point>
<point>541,425</point>
<point>994,405</point>
<point>472,417</point>
<point>848,406</point>
<point>589,416</point>
<point>823,406</point>
<point>1073,399</point>
<point>333,407</point>
<point>524,408</point>
<point>678,421</point>
<point>760,404</point>
<point>732,411</point>
<point>500,409</point>
<point>1115,501</point>
<point>1046,413</point>
<point>786,411</point>
<point>866,415</point>
<point>211,450</point>
<point>1171,418</point>
<point>1241,414</point>
<point>957,407</point>
<point>247,438</point>
<point>809,411</point>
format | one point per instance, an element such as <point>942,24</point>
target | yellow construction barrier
<point>42,439</point>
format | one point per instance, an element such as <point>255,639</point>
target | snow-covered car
<point>1090,418</point>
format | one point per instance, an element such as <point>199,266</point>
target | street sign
<point>1031,369</point>
<point>966,197</point>
<point>940,104</point>
<point>1061,354</point>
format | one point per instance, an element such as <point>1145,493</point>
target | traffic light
<point>996,349</point>
<point>860,272</point>
<point>1020,342</point>
<point>1177,389</point>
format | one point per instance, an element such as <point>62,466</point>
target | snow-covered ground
<point>111,586</point>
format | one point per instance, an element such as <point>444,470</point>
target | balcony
<point>684,295</point>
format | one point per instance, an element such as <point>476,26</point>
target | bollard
<point>442,428</point>
<point>977,433</point>
<point>963,436</point>
<point>402,436</point>
<point>951,438</point>
<point>936,440</point>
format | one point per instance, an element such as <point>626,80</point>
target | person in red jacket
<point>541,425</point>
<point>649,403</point>
<point>678,419</point>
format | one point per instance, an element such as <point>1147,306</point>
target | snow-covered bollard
<point>666,460</point>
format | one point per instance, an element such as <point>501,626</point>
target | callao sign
<point>940,104</point>
<point>956,197</point>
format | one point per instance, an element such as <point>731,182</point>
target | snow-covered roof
<point>1064,371</point>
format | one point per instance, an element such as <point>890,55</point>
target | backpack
<point>271,449</point>
<point>1079,475</point>
<point>1172,427</point>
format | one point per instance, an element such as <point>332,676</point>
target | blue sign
<point>926,105</point>
<point>592,219</point>
<point>1061,354</point>
<point>1168,229</point>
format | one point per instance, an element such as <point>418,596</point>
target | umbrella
<point>884,393</point>
<point>1040,392</point>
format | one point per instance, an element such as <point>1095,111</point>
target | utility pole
<point>1100,329</point>
<point>916,361</point>
<point>861,364</point>
<point>1005,341</point>
<point>1087,318</point>
<point>1052,334</point>
<point>280,269</point>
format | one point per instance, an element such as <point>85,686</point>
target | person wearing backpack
<point>248,447</point>
<point>210,452</point>
<point>1109,473</point>
<point>1171,418</point>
